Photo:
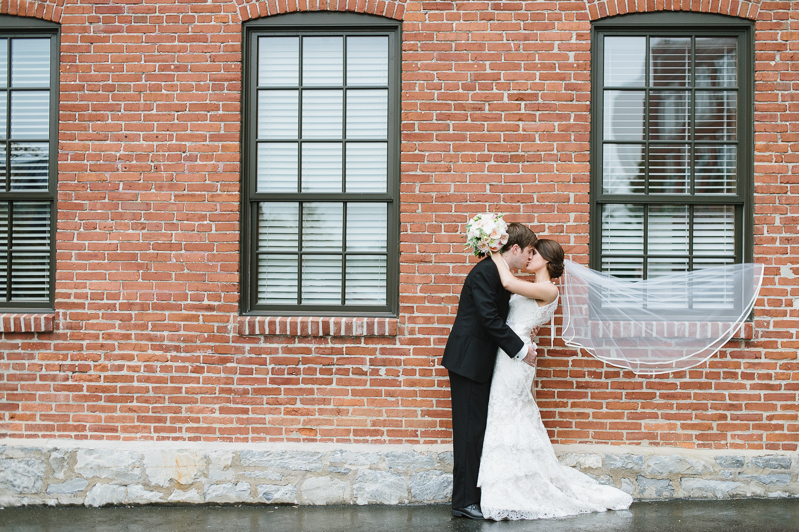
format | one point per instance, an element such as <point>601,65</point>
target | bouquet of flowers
<point>486,233</point>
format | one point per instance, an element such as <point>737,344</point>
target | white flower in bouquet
<point>486,233</point>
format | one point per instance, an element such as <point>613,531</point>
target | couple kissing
<point>504,464</point>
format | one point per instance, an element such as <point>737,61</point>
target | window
<point>320,172</point>
<point>672,145</point>
<point>29,51</point>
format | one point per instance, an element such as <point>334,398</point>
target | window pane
<point>30,277</point>
<point>3,114</point>
<point>670,115</point>
<point>277,279</point>
<point>622,229</point>
<point>367,60</point>
<point>366,280</point>
<point>30,114</point>
<point>277,114</point>
<point>321,167</point>
<point>701,263</point>
<point>666,295</point>
<point>322,61</point>
<point>30,261</point>
<point>717,62</point>
<point>666,266</point>
<point>625,60</point>
<point>278,61</point>
<point>623,169</point>
<point>29,167</point>
<point>367,114</point>
<point>31,226</point>
<point>30,62</point>
<point>715,169</point>
<point>624,115</point>
<point>367,167</point>
<point>668,230</point>
<point>366,226</point>
<point>277,167</point>
<point>631,268</point>
<point>3,62</point>
<point>716,115</point>
<point>670,61</point>
<point>278,225</point>
<point>669,169</point>
<point>321,279</point>
<point>3,249</point>
<point>322,226</point>
<point>3,166</point>
<point>718,292</point>
<point>322,113</point>
<point>714,230</point>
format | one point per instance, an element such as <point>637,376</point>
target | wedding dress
<point>520,477</point>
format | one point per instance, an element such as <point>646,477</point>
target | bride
<point>520,477</point>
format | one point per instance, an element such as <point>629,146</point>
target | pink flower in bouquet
<point>486,233</point>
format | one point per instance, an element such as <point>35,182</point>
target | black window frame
<point>318,23</point>
<point>15,27</point>
<point>676,24</point>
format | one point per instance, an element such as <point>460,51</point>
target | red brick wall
<point>147,340</point>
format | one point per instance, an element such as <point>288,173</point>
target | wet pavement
<point>775,515</point>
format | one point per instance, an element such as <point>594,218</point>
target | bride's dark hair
<point>553,254</point>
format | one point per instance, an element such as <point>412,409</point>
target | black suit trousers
<point>469,416</point>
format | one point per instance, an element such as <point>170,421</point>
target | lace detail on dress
<point>520,477</point>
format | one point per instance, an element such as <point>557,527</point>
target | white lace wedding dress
<point>520,477</point>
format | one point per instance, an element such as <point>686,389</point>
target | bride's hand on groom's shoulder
<point>531,356</point>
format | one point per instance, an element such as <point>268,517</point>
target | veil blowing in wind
<point>658,325</point>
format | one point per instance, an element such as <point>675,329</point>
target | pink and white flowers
<point>486,233</point>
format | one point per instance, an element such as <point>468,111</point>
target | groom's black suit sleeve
<point>480,326</point>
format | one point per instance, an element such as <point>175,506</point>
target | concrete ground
<point>775,515</point>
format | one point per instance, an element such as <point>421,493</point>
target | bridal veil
<point>658,325</point>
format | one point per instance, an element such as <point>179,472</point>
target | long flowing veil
<point>658,325</point>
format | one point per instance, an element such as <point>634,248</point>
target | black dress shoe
<point>472,512</point>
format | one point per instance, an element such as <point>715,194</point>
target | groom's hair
<point>519,234</point>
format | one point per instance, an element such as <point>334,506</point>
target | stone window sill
<point>311,326</point>
<point>26,323</point>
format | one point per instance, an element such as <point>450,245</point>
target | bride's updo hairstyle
<point>553,254</point>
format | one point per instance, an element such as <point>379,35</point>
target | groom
<point>469,357</point>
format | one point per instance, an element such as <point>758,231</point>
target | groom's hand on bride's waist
<point>531,355</point>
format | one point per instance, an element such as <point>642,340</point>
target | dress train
<point>520,476</point>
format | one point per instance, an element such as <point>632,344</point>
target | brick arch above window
<point>252,9</point>
<point>598,9</point>
<point>50,10</point>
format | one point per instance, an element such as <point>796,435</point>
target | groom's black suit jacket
<point>480,326</point>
